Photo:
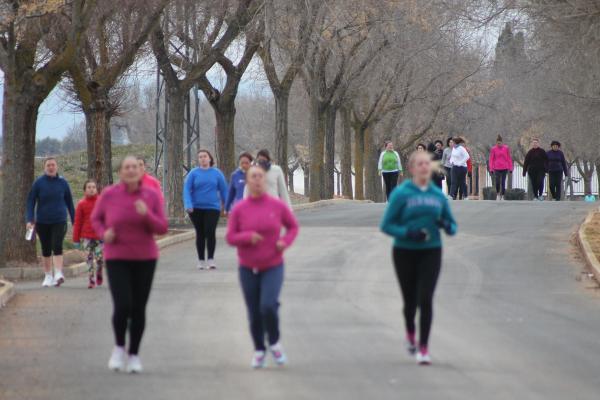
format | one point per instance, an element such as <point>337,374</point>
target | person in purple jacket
<point>557,165</point>
<point>254,227</point>
<point>237,182</point>
<point>127,216</point>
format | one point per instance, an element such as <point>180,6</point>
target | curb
<point>325,203</point>
<point>588,255</point>
<point>7,291</point>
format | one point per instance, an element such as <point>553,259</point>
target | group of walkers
<point>456,167</point>
<point>117,229</point>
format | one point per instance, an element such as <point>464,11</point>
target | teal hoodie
<point>410,208</point>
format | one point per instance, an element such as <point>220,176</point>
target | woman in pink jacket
<point>127,216</point>
<point>500,163</point>
<point>254,227</point>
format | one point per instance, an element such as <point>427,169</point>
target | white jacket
<point>276,185</point>
<point>459,156</point>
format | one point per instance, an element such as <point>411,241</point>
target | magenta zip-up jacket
<point>500,158</point>
<point>134,233</point>
<point>265,215</point>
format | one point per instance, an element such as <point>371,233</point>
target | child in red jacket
<point>84,236</point>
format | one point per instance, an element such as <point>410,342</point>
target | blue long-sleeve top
<point>236,188</point>
<point>49,200</point>
<point>205,189</point>
<point>557,162</point>
<point>414,208</point>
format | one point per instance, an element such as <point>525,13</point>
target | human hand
<point>109,236</point>
<point>189,210</point>
<point>30,225</point>
<point>281,246</point>
<point>445,225</point>
<point>256,237</point>
<point>141,207</point>
<point>417,235</point>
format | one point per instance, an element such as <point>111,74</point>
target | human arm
<point>526,163</point>
<point>155,217</point>
<point>380,162</point>
<point>282,188</point>
<point>69,202</point>
<point>32,198</point>
<point>399,161</point>
<point>391,224</point>
<point>187,191</point>
<point>222,187</point>
<point>235,236</point>
<point>231,194</point>
<point>447,221</point>
<point>564,164</point>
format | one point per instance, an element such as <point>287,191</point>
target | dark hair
<point>448,141</point>
<point>422,145</point>
<point>438,141</point>
<point>212,160</point>
<point>264,153</point>
<point>88,181</point>
<point>458,140</point>
<point>247,155</point>
<point>431,147</point>
<point>555,143</point>
<point>499,139</point>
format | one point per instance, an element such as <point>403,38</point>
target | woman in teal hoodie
<point>416,212</point>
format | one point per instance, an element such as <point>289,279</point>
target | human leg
<point>250,284</point>
<point>141,285</point>
<point>119,279</point>
<point>404,265</point>
<point>429,264</point>
<point>211,220</point>
<point>197,218</point>
<point>271,282</point>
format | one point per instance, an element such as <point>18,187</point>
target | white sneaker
<point>278,354</point>
<point>118,359</point>
<point>258,359</point>
<point>48,281</point>
<point>59,279</point>
<point>423,358</point>
<point>212,264</point>
<point>201,265</point>
<point>134,365</point>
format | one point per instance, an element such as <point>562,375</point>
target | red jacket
<point>469,162</point>
<point>82,228</point>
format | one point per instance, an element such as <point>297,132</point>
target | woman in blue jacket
<point>416,212</point>
<point>204,193</point>
<point>48,203</point>
<point>238,180</point>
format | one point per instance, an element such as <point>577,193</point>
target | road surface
<point>512,320</point>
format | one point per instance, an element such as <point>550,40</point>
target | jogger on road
<point>501,164</point>
<point>85,237</point>
<point>254,227</point>
<point>389,167</point>
<point>48,203</point>
<point>204,194</point>
<point>535,166</point>
<point>557,166</point>
<point>127,216</point>
<point>414,216</point>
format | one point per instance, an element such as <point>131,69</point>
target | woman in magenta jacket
<point>254,227</point>
<point>500,164</point>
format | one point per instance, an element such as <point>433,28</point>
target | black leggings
<point>130,284</point>
<point>51,238</point>
<point>500,178</point>
<point>556,181</point>
<point>448,179</point>
<point>390,179</point>
<point>459,182</point>
<point>418,272</point>
<point>205,223</point>
<point>537,181</point>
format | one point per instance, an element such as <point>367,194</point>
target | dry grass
<point>592,231</point>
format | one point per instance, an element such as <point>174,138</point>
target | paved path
<point>512,321</point>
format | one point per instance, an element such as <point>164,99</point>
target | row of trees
<point>344,75</point>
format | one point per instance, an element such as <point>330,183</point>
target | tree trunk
<point>19,119</point>
<point>281,131</point>
<point>598,175</point>
<point>316,149</point>
<point>306,173</point>
<point>359,152</point>
<point>225,117</point>
<point>290,176</point>
<point>173,155</point>
<point>97,124</point>
<point>586,170</point>
<point>329,170</point>
<point>346,157</point>
<point>373,187</point>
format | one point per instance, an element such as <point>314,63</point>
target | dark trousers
<point>537,181</point>
<point>261,293</point>
<point>556,181</point>
<point>205,223</point>
<point>51,238</point>
<point>500,179</point>
<point>418,272</point>
<point>390,180</point>
<point>459,182</point>
<point>130,283</point>
<point>448,179</point>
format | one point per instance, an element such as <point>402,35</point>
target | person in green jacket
<point>389,167</point>
<point>416,213</point>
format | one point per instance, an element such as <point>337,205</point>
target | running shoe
<point>423,357</point>
<point>99,277</point>
<point>411,347</point>
<point>134,364</point>
<point>258,359</point>
<point>91,283</point>
<point>59,278</point>
<point>212,264</point>
<point>48,281</point>
<point>118,359</point>
<point>278,354</point>
<point>201,265</point>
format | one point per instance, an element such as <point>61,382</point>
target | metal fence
<point>520,182</point>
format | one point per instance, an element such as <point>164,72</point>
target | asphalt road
<point>512,320</point>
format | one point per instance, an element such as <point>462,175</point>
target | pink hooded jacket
<point>500,158</point>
